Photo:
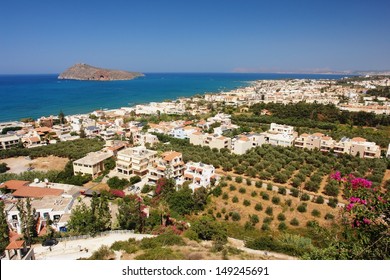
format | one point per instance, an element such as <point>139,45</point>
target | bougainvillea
<point>366,218</point>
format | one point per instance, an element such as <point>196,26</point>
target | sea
<point>34,96</point>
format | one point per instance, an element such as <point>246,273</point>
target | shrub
<point>239,179</point>
<point>319,200</point>
<point>190,234</point>
<point>288,202</point>
<point>248,182</point>
<point>246,202</point>
<point>265,196</point>
<point>236,216</point>
<point>282,226</point>
<point>329,216</point>
<point>316,213</point>
<point>225,196</point>
<point>128,246</point>
<point>282,191</point>
<point>223,210</point>
<point>235,199</point>
<point>267,220</point>
<point>253,194</point>
<point>333,202</point>
<point>312,223</point>
<point>232,187</point>
<point>269,211</point>
<point>228,177</point>
<point>294,192</point>
<point>281,217</point>
<point>219,215</point>
<point>258,184</point>
<point>294,222</point>
<point>305,197</point>
<point>242,190</point>
<point>265,227</point>
<point>254,219</point>
<point>269,187</point>
<point>258,207</point>
<point>276,200</point>
<point>160,253</point>
<point>302,208</point>
<point>103,253</point>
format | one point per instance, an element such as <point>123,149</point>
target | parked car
<point>50,242</point>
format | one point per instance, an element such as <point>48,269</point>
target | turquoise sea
<point>43,95</point>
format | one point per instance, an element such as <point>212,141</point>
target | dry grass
<point>202,251</point>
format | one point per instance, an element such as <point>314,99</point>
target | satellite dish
<point>46,180</point>
<point>36,180</point>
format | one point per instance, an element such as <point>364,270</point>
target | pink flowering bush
<point>364,202</point>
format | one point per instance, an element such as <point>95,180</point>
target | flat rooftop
<point>93,158</point>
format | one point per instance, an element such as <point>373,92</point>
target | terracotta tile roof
<point>34,139</point>
<point>318,134</point>
<point>15,245</point>
<point>168,156</point>
<point>36,192</point>
<point>197,133</point>
<point>358,139</point>
<point>304,135</point>
<point>188,176</point>
<point>14,184</point>
<point>326,138</point>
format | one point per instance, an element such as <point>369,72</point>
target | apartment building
<point>360,147</point>
<point>136,160</point>
<point>91,164</point>
<point>211,140</point>
<point>244,142</point>
<point>169,165</point>
<point>142,139</point>
<point>315,141</point>
<point>198,174</point>
<point>281,128</point>
<point>9,141</point>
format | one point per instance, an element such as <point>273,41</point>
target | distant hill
<point>87,72</point>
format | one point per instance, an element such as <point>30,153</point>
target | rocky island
<point>87,72</point>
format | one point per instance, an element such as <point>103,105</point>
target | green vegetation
<point>3,167</point>
<point>4,230</point>
<point>90,220</point>
<point>72,149</point>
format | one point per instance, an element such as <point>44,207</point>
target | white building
<point>199,174</point>
<point>281,128</point>
<point>142,139</point>
<point>136,160</point>
<point>91,164</point>
<point>388,152</point>
<point>9,141</point>
<point>170,165</point>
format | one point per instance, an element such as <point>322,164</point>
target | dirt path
<point>239,244</point>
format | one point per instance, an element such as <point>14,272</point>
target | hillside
<point>87,72</point>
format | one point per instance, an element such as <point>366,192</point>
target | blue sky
<point>194,36</point>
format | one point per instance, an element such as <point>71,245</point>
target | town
<point>136,157</point>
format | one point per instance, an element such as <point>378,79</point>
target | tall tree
<point>61,117</point>
<point>4,229</point>
<point>128,213</point>
<point>28,221</point>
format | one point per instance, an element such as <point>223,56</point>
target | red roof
<point>15,245</point>
<point>14,184</point>
<point>37,192</point>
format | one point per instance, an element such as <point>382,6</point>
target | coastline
<point>43,95</point>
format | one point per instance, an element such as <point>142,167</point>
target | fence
<point>105,233</point>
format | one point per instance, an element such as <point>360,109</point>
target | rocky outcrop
<point>87,72</point>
